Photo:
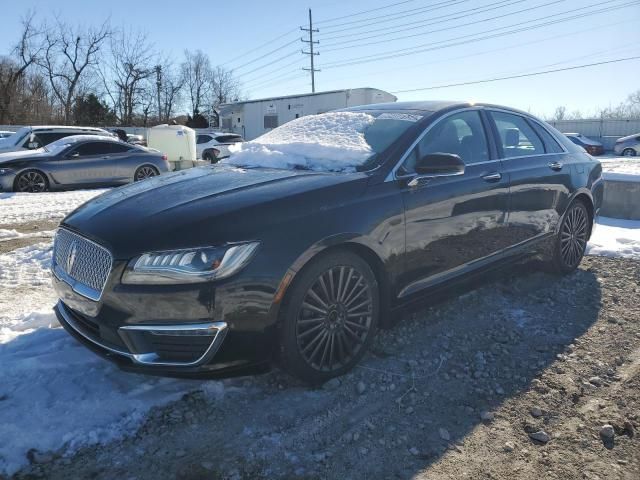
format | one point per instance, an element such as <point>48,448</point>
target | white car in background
<point>32,138</point>
<point>208,143</point>
<point>5,133</point>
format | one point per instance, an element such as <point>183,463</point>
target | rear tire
<point>330,317</point>
<point>628,152</point>
<point>31,181</point>
<point>571,241</point>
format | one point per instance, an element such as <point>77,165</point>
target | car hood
<point>197,207</point>
<point>6,157</point>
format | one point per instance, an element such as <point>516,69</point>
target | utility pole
<point>159,86</point>
<point>311,53</point>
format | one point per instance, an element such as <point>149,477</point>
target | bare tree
<point>13,70</point>
<point>127,73</point>
<point>169,86</point>
<point>224,88</point>
<point>559,114</point>
<point>196,70</point>
<point>68,55</point>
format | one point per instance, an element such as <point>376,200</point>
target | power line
<point>554,2</point>
<point>449,59</point>
<point>248,52</point>
<point>398,15</point>
<point>261,57</point>
<point>268,75</point>
<point>497,79</point>
<point>326,20</point>
<point>431,46</point>
<point>421,22</point>
<point>284,57</point>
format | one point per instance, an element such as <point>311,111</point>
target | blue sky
<point>227,30</point>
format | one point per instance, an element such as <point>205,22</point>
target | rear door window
<point>516,137</point>
<point>550,143</point>
<point>229,139</point>
<point>203,139</point>
<point>119,148</point>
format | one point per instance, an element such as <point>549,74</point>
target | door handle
<point>555,166</point>
<point>492,177</point>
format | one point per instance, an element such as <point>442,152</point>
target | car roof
<point>431,106</point>
<point>92,138</point>
<point>66,127</point>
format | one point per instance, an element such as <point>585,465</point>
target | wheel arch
<point>347,242</point>
<point>583,195</point>
<point>49,179</point>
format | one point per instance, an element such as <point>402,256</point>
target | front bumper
<point>135,352</point>
<point>152,345</point>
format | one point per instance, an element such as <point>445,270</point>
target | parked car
<point>5,133</point>
<point>591,146</point>
<point>628,146</point>
<point>219,141</point>
<point>215,270</point>
<point>33,138</point>
<point>78,161</point>
<point>136,139</point>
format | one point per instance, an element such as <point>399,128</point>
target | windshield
<point>59,145</point>
<point>336,141</point>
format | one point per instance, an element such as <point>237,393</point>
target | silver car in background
<point>33,138</point>
<point>628,146</point>
<point>79,161</point>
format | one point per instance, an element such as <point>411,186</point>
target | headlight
<point>5,171</point>
<point>190,265</point>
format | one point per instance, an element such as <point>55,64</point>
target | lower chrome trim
<point>217,330</point>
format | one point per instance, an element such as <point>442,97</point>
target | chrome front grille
<point>81,263</point>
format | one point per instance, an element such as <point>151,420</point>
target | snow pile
<point>25,207</point>
<point>627,170</point>
<point>55,394</point>
<point>58,396</point>
<point>329,141</point>
<point>614,237</point>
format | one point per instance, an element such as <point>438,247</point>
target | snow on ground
<point>55,395</point>
<point>329,141</point>
<point>614,237</point>
<point>621,169</point>
<point>11,234</point>
<point>26,207</point>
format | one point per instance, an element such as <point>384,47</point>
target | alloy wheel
<point>573,237</point>
<point>334,319</point>
<point>32,182</point>
<point>629,152</point>
<point>145,172</point>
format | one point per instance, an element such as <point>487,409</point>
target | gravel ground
<point>526,376</point>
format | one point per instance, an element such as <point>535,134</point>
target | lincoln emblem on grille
<point>73,250</point>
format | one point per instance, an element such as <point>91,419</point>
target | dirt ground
<point>522,375</point>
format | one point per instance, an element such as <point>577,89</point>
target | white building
<point>252,118</point>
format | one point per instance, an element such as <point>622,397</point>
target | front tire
<point>628,152</point>
<point>31,181</point>
<point>330,317</point>
<point>144,172</point>
<point>571,242</point>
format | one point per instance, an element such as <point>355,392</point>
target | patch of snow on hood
<point>330,141</point>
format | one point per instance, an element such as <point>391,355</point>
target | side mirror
<point>33,145</point>
<point>73,155</point>
<point>440,165</point>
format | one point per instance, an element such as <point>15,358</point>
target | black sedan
<point>214,270</point>
<point>79,161</point>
